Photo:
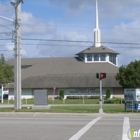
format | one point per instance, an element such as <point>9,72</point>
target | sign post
<point>2,94</point>
<point>54,88</point>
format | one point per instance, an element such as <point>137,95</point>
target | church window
<point>96,57</point>
<point>89,57</point>
<point>102,57</point>
<point>112,58</point>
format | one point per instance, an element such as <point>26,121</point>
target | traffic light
<point>100,75</point>
<point>97,75</point>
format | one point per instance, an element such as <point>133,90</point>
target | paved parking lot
<point>68,126</point>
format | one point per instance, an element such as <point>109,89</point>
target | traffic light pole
<point>101,109</point>
<point>101,76</point>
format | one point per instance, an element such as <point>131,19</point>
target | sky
<point>44,23</point>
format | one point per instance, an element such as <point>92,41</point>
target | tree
<point>2,59</point>
<point>6,72</point>
<point>129,76</point>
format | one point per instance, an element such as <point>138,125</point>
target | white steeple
<point>97,33</point>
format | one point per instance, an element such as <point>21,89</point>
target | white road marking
<point>126,128</point>
<point>84,129</point>
<point>35,114</point>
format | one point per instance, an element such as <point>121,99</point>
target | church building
<point>75,75</point>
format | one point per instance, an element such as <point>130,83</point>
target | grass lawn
<point>74,101</point>
<point>73,109</point>
<point>67,101</point>
<point>87,109</point>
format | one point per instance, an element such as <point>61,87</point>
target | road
<point>47,126</point>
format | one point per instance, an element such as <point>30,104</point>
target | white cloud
<point>125,33</point>
<point>108,6</point>
<point>121,16</point>
<point>61,49</point>
<point>6,9</point>
<point>9,51</point>
<point>32,25</point>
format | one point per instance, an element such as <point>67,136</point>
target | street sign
<point>54,88</point>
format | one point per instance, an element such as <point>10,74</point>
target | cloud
<point>111,9</point>
<point>63,49</point>
<point>128,55</point>
<point>72,5</point>
<point>120,16</point>
<point>6,9</point>
<point>125,33</point>
<point>32,25</point>
<point>9,51</point>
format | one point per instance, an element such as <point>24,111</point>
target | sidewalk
<point>30,105</point>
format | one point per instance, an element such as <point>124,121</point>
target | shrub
<point>81,97</point>
<point>113,101</point>
<point>108,93</point>
<point>74,97</point>
<point>93,97</point>
<point>61,94</point>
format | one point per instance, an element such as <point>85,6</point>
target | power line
<point>7,33</point>
<point>56,40</point>
<point>122,43</point>
<point>70,41</point>
<point>79,41</point>
<point>6,27</point>
<point>6,39</point>
<point>6,50</point>
<point>65,45</point>
<point>70,45</point>
<point>88,26</point>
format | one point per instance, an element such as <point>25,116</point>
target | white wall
<point>86,91</point>
<point>26,94</point>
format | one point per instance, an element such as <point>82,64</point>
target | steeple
<point>97,34</point>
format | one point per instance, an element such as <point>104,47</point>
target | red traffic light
<point>102,75</point>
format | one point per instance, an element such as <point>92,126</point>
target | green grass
<point>73,109</point>
<point>74,101</point>
<point>67,101</point>
<point>6,110</point>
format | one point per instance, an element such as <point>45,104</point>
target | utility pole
<point>17,66</point>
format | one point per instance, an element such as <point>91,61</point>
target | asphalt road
<point>40,126</point>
